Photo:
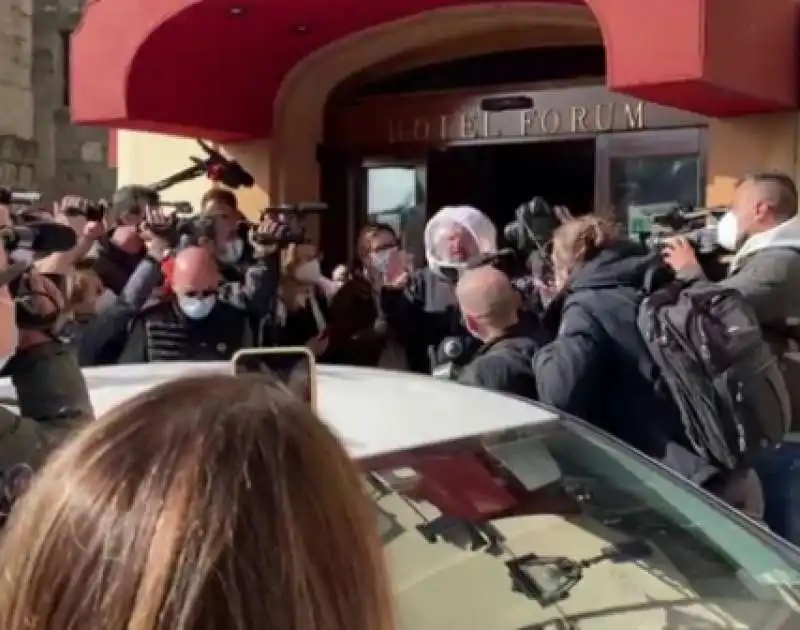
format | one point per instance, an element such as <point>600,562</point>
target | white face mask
<point>728,235</point>
<point>232,251</point>
<point>379,260</point>
<point>308,272</point>
<point>196,308</point>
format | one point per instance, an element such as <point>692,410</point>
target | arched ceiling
<point>506,38</point>
<point>213,67</point>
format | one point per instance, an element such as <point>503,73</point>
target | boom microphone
<point>41,237</point>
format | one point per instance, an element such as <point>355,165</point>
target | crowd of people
<point>162,475</point>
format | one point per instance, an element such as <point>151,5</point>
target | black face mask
<point>449,273</point>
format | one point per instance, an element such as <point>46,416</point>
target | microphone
<point>446,357</point>
<point>41,237</point>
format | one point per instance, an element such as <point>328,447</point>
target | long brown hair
<point>292,292</point>
<point>208,503</point>
<point>579,240</point>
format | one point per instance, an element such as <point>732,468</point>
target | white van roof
<point>374,411</point>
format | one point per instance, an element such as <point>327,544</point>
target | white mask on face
<point>196,308</point>
<point>379,260</point>
<point>308,272</point>
<point>232,251</point>
<point>728,234</point>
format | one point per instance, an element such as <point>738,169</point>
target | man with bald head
<point>763,229</point>
<point>193,324</point>
<point>490,306</point>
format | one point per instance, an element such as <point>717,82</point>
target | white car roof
<point>374,411</point>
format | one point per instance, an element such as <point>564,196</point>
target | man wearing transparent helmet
<point>421,306</point>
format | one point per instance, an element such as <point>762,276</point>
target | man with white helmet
<point>421,306</point>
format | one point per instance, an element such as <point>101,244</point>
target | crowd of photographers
<point>631,336</point>
<point>557,316</point>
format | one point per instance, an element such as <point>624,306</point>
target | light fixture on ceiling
<point>506,103</point>
<point>300,29</point>
<point>236,11</point>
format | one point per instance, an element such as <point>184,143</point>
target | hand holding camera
<point>266,236</point>
<point>159,231</point>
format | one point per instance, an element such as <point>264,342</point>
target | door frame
<point>687,141</point>
<point>358,190</point>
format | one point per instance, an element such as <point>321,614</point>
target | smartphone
<point>294,368</point>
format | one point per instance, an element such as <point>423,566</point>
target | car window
<point>558,524</point>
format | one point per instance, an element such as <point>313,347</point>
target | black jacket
<point>114,265</point>
<point>598,368</point>
<point>423,315</point>
<point>162,333</point>
<point>504,365</point>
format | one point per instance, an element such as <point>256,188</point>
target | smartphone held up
<point>293,368</point>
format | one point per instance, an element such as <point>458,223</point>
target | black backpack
<point>712,358</point>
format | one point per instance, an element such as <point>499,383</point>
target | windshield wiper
<point>549,579</point>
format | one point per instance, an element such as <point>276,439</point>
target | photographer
<point>763,228</point>
<point>45,371</point>
<point>121,249</point>
<point>530,237</point>
<point>23,441</point>
<point>234,251</point>
<point>99,330</point>
<point>73,212</point>
<point>595,367</point>
<point>50,387</point>
<point>251,286</point>
<point>490,306</point>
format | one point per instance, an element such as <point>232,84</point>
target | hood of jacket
<point>473,220</point>
<point>785,235</point>
<point>624,264</point>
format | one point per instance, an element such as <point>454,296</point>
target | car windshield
<point>558,526</point>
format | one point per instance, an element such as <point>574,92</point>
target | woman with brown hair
<point>233,510</point>
<point>301,310</point>
<point>598,367</point>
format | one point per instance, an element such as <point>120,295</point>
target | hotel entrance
<point>399,149</point>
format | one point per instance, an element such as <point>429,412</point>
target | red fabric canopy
<point>212,68</point>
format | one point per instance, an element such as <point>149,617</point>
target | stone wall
<point>71,159</point>
<point>18,148</point>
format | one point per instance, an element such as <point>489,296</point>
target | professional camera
<point>504,260</point>
<point>533,226</point>
<point>289,218</point>
<point>94,211</point>
<point>653,224</point>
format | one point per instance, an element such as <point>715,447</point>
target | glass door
<point>636,170</point>
<point>395,194</point>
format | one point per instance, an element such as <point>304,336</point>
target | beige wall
<point>145,158</point>
<point>740,145</point>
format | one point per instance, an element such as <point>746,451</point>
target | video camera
<point>35,235</point>
<point>289,218</point>
<point>653,224</point>
<point>94,211</point>
<point>533,226</point>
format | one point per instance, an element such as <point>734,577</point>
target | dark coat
<point>598,367</point>
<point>504,365</point>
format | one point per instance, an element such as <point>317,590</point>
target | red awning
<point>212,68</point>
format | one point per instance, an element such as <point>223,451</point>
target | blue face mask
<point>196,308</point>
